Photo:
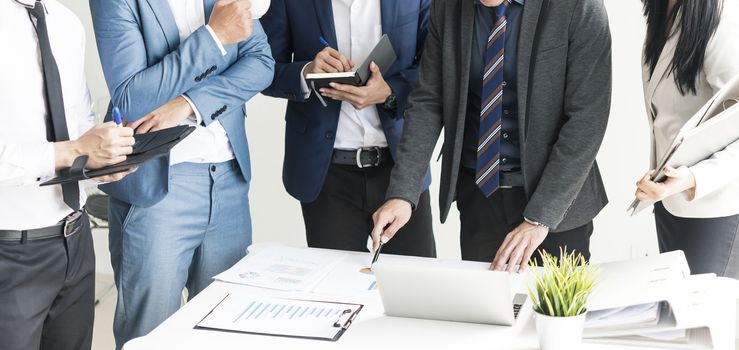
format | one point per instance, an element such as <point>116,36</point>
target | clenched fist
<point>231,20</point>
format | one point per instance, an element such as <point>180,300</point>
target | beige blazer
<point>717,178</point>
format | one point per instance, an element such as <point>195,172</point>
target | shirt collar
<point>520,2</point>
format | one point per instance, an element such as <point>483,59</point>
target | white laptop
<point>463,292</point>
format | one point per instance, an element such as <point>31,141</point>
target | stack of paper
<point>652,301</point>
<point>283,268</point>
<point>629,316</point>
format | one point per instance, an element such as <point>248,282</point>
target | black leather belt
<point>65,228</point>
<point>363,157</point>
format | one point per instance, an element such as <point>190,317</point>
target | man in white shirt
<point>179,221</point>
<point>338,157</point>
<point>47,261</point>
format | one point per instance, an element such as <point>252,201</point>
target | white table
<point>372,330</point>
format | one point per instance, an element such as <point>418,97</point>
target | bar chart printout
<point>281,317</point>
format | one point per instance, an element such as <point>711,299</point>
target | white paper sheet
<point>283,268</point>
<point>283,317</point>
<point>644,314</point>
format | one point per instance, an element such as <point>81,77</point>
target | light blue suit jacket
<point>146,65</point>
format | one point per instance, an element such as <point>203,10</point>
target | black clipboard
<point>148,146</point>
<point>341,324</point>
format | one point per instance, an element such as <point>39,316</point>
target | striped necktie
<point>487,169</point>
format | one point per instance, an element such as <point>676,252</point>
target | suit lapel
<point>166,20</point>
<point>389,10</point>
<point>662,68</point>
<point>325,13</point>
<point>467,23</point>
<point>208,7</point>
<point>526,38</point>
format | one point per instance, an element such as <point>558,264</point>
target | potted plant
<point>560,296</point>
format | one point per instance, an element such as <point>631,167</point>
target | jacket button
<point>329,135</point>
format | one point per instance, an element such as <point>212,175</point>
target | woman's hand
<point>678,180</point>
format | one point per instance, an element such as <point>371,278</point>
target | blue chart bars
<point>261,310</point>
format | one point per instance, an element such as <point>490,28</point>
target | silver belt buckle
<point>68,221</point>
<point>359,156</point>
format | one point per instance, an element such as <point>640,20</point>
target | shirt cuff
<point>303,84</point>
<point>27,164</point>
<point>196,117</point>
<point>215,38</point>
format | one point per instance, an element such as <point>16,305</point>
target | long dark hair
<point>698,22</point>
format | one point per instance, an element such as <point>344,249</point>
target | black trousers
<point>47,292</point>
<point>485,222</point>
<point>710,244</point>
<point>341,216</point>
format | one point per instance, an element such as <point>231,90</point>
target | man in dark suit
<point>522,91</point>
<point>338,158</point>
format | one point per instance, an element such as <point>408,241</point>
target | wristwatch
<point>535,223</point>
<point>391,102</point>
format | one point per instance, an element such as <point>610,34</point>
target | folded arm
<point>250,74</point>
<point>136,87</point>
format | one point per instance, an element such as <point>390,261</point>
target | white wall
<point>623,157</point>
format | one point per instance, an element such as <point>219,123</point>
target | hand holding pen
<point>329,60</point>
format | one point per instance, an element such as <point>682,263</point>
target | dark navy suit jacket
<point>294,28</point>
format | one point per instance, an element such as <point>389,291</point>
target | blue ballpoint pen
<point>117,117</point>
<point>324,42</point>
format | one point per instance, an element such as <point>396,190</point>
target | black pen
<point>377,255</point>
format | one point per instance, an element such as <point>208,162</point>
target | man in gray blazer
<point>522,91</point>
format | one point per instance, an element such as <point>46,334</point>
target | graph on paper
<point>275,316</point>
<point>259,310</point>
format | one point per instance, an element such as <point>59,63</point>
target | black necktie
<point>57,128</point>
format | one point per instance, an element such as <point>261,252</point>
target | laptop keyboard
<point>518,301</point>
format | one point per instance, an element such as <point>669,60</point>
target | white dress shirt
<point>206,144</point>
<point>358,26</point>
<point>717,178</point>
<point>25,155</point>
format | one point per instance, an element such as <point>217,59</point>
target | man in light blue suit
<point>184,218</point>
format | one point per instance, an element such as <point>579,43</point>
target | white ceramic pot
<point>559,333</point>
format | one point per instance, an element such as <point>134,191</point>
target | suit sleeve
<point>423,119</point>
<point>586,111</point>
<point>402,82</point>
<point>287,74</point>
<point>251,73</point>
<point>720,67</point>
<point>136,87</point>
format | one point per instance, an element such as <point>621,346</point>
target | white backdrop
<point>623,157</point>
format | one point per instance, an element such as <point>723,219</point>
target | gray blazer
<point>564,96</point>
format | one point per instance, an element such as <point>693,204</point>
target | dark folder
<point>148,146</point>
<point>383,55</point>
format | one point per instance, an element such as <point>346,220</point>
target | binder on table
<point>147,146</point>
<point>382,54</point>
<point>244,313</point>
<point>673,307</point>
<point>714,127</point>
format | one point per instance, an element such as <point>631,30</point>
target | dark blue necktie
<point>488,147</point>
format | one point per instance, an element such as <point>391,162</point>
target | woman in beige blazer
<point>692,51</point>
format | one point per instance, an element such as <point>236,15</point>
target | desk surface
<point>371,330</point>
